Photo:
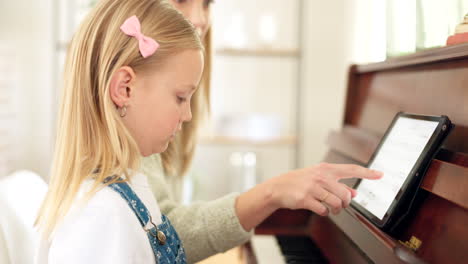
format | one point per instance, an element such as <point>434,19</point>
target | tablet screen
<point>396,158</point>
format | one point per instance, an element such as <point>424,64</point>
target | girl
<point>130,73</point>
<point>207,228</point>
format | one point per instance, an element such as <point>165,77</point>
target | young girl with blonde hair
<point>130,73</point>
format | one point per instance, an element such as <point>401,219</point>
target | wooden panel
<point>460,159</point>
<point>436,55</point>
<point>441,226</point>
<point>377,245</point>
<point>375,98</point>
<point>285,222</point>
<point>448,181</point>
<point>335,245</point>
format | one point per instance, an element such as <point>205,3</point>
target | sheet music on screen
<point>396,157</point>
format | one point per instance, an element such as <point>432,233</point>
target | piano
<point>433,82</point>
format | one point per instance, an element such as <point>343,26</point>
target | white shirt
<point>104,230</point>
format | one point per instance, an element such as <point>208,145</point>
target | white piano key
<point>267,250</point>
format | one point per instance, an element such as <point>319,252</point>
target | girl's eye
<point>180,1</point>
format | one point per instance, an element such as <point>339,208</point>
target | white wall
<point>326,51</point>
<point>26,28</point>
<point>327,43</point>
<point>252,84</point>
<point>333,34</point>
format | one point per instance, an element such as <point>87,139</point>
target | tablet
<point>403,154</point>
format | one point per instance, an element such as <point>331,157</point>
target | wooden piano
<point>431,82</point>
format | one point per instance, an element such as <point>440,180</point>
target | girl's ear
<point>121,86</point>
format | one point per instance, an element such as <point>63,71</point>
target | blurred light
<point>236,159</point>
<point>250,159</point>
<point>267,29</point>
<point>234,35</point>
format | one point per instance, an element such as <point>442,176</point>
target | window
<point>389,28</point>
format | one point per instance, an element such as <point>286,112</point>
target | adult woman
<point>207,228</point>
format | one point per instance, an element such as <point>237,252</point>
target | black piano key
<point>299,250</point>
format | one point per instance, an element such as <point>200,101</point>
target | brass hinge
<point>414,243</point>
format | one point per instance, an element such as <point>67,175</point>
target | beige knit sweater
<point>205,228</point>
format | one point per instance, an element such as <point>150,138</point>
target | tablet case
<point>408,199</point>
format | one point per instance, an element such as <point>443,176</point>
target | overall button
<point>161,238</point>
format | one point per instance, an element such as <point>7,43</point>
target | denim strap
<point>132,199</point>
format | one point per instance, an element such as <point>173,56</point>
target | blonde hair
<point>92,142</point>
<point>177,158</point>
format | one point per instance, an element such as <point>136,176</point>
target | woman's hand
<point>316,188</point>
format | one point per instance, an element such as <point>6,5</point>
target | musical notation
<point>396,157</point>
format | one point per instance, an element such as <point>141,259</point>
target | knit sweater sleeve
<point>205,228</point>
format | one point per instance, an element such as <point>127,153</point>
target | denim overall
<point>165,242</point>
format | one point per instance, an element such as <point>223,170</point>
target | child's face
<point>161,101</point>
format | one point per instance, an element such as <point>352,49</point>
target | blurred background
<point>278,87</point>
<point>279,78</point>
<point>279,75</point>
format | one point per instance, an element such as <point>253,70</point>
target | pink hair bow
<point>147,45</point>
